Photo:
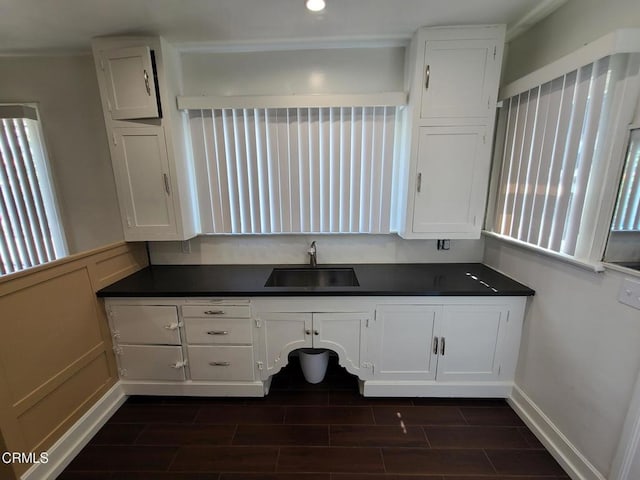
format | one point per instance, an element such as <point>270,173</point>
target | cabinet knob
<point>316,332</point>
<point>307,332</point>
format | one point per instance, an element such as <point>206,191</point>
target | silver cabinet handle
<point>435,345</point>
<point>173,326</point>
<point>217,332</point>
<point>166,183</point>
<point>146,83</point>
<point>214,312</point>
<point>178,365</point>
<point>427,75</point>
<point>419,182</point>
<point>307,332</point>
<point>442,346</point>
<point>220,364</point>
<point>316,332</point>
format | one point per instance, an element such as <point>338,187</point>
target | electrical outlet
<point>630,293</point>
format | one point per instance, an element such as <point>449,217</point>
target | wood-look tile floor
<point>313,432</point>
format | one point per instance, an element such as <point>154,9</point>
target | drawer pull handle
<point>178,365</point>
<point>214,312</point>
<point>218,332</point>
<point>220,364</point>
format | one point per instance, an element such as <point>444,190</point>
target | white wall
<point>348,70</point>
<point>66,89</point>
<point>579,357</point>
<point>291,249</point>
<point>570,27</point>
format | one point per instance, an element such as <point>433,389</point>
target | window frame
<point>589,253</point>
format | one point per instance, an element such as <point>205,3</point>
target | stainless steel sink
<point>312,277</point>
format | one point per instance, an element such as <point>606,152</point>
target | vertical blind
<point>28,220</point>
<point>627,215</point>
<point>551,166</point>
<point>294,170</point>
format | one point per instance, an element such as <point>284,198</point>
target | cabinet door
<point>131,89</point>
<point>284,333</point>
<point>145,324</point>
<point>470,341</point>
<point>451,181</point>
<point>146,362</point>
<point>406,342</point>
<point>459,78</point>
<point>342,333</point>
<point>143,183</point>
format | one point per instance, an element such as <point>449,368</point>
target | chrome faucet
<point>313,258</point>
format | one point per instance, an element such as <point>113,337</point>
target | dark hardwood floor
<point>313,432</point>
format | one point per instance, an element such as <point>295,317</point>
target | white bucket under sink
<point>313,362</point>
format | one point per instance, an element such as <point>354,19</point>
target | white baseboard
<point>74,439</point>
<point>566,454</point>
<point>415,388</point>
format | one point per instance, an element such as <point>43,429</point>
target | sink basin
<point>312,277</point>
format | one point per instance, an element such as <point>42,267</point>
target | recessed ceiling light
<point>315,5</point>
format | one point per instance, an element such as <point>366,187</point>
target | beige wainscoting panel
<point>44,418</point>
<point>56,358</point>
<point>45,331</point>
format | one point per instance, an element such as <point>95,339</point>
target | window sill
<point>622,269</point>
<point>587,265</point>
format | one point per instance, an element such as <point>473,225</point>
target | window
<point>29,219</point>
<point>553,144</point>
<point>627,215</point>
<point>623,245</point>
<point>294,170</point>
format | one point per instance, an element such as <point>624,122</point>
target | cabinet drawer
<point>221,363</point>
<point>217,311</point>
<point>218,331</point>
<point>146,324</point>
<point>144,362</point>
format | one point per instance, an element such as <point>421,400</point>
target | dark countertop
<point>411,279</point>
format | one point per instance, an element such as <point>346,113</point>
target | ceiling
<point>66,26</point>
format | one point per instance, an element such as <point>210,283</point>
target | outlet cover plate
<point>630,293</point>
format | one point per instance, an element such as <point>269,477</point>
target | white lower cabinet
<point>443,343</point>
<point>445,350</point>
<point>284,332</point>
<point>396,346</point>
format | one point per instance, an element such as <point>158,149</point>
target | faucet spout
<point>313,254</point>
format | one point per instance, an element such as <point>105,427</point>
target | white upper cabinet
<point>459,80</point>
<point>451,178</point>
<point>153,173</point>
<point>453,80</point>
<point>143,182</point>
<point>130,84</point>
